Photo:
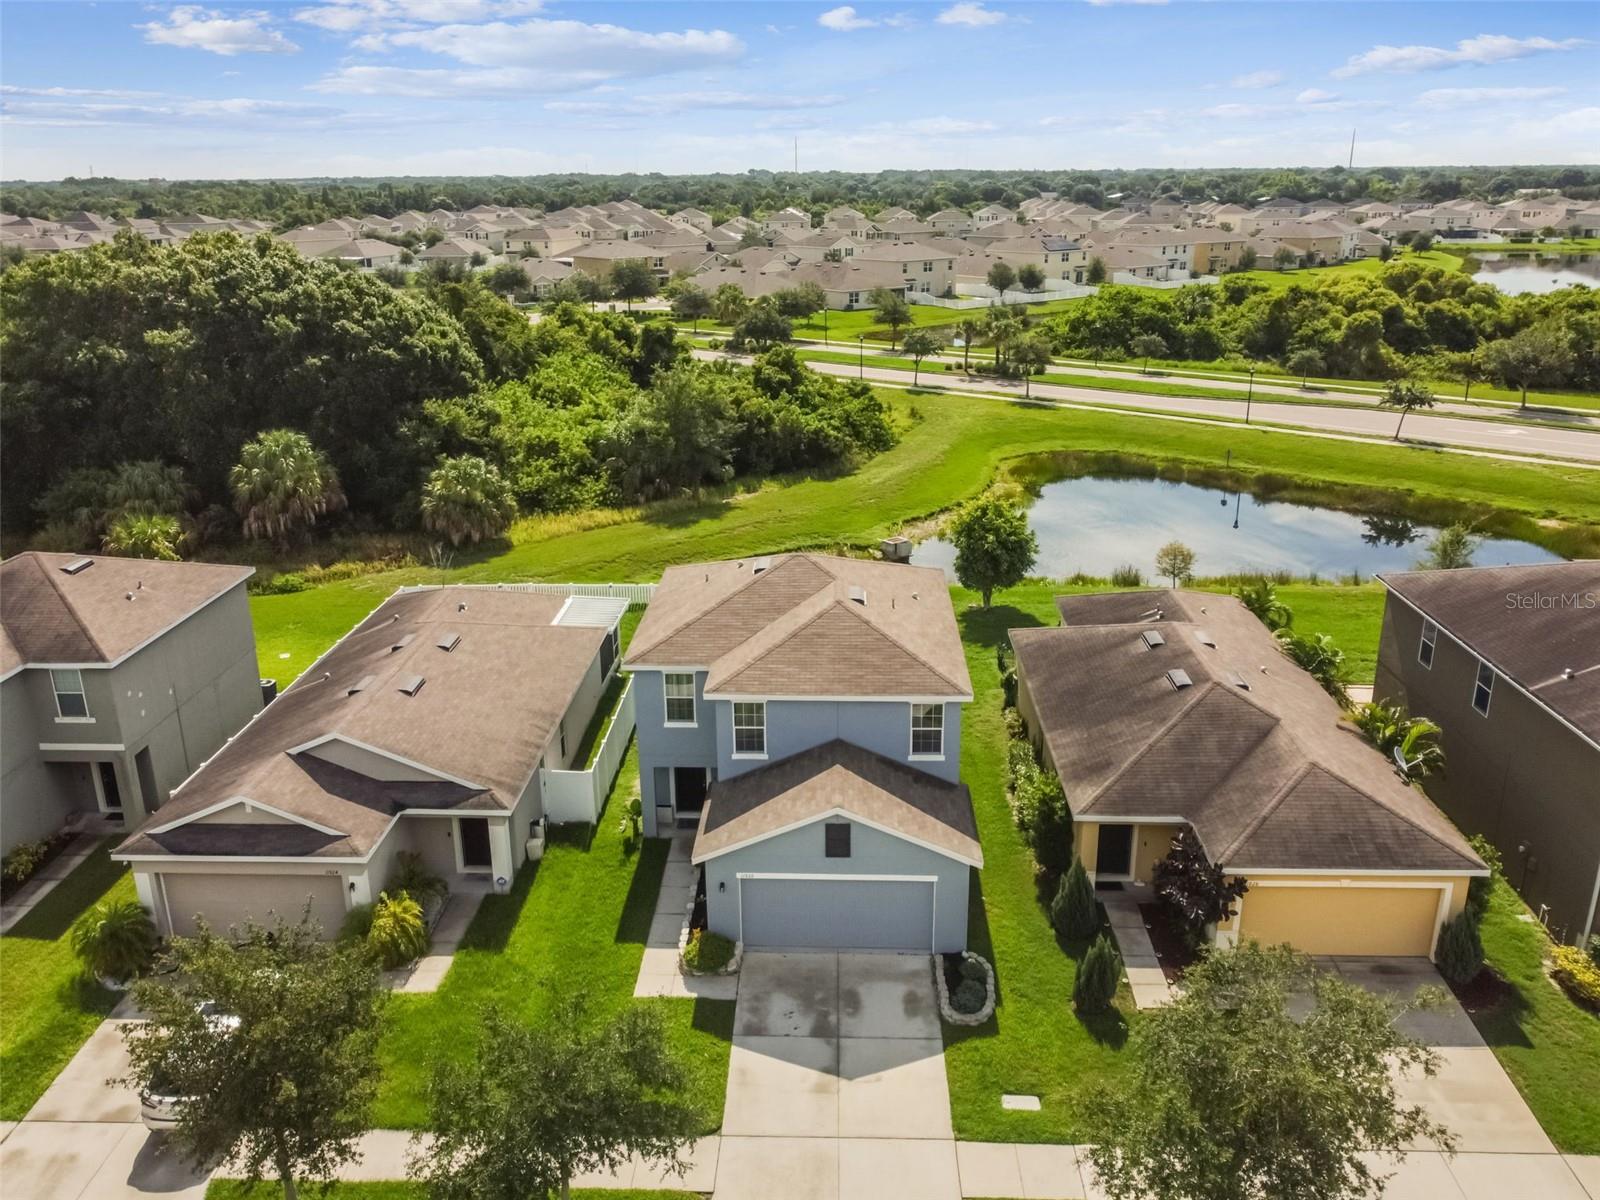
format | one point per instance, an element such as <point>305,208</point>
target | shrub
<point>970,996</point>
<point>1098,976</point>
<point>1480,887</point>
<point>1460,955</point>
<point>284,583</point>
<point>1050,833</point>
<point>23,860</point>
<point>413,877</point>
<point>1127,575</point>
<point>1073,911</point>
<point>1594,948</point>
<point>357,924</point>
<point>1577,972</point>
<point>115,940</point>
<point>707,951</point>
<point>397,935</point>
<point>1016,728</point>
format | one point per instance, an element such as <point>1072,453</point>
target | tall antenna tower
<point>1351,164</point>
<point>797,154</point>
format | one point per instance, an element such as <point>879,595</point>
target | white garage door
<point>837,913</point>
<point>226,900</point>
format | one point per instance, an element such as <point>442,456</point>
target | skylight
<point>402,642</point>
<point>412,684</point>
<point>1179,679</point>
<point>76,565</point>
<point>448,641</point>
<point>1152,639</point>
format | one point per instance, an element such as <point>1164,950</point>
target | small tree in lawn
<point>691,304</point>
<point>889,308</point>
<point>1176,562</point>
<point>1098,976</point>
<point>1030,277</point>
<point>537,1106</point>
<point>1196,891</point>
<point>1096,274</point>
<point>1148,346</point>
<point>1405,395</point>
<point>1238,1092</point>
<point>1305,363</point>
<point>921,344</point>
<point>632,279</point>
<point>1030,355</point>
<point>273,1033</point>
<point>994,546</point>
<point>1537,355</point>
<point>1284,257</point>
<point>1073,910</point>
<point>1002,277</point>
<point>1450,549</point>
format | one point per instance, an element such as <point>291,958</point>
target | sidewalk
<point>1145,976</point>
<point>658,970</point>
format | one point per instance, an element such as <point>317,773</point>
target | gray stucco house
<point>118,678</point>
<point>431,727</point>
<point>802,714</point>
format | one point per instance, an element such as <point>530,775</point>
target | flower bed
<point>942,965</point>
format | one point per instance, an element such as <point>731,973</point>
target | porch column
<point>500,858</point>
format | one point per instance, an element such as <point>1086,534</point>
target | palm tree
<point>145,535</point>
<point>969,329</point>
<point>146,486</point>
<point>283,484</point>
<point>1261,598</point>
<point>466,499</point>
<point>1003,326</point>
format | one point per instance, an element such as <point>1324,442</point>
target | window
<point>836,840</point>
<point>71,703</point>
<point>1483,689</point>
<point>750,728</point>
<point>927,267</point>
<point>927,731</point>
<point>1430,634</point>
<point>680,698</point>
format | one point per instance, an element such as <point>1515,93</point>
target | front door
<point>688,792</point>
<point>1115,857</point>
<point>106,789</point>
<point>474,834</point>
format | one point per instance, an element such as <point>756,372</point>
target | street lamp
<point>1249,395</point>
<point>824,323</point>
<point>861,355</point>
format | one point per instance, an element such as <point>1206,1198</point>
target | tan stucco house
<point>1166,710</point>
<point>431,727</point>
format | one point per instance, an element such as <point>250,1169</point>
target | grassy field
<point>950,453</point>
<point>1548,1045</point>
<point>48,1006</point>
<point>1361,266</point>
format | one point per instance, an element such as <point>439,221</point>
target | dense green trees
<point>1404,318</point>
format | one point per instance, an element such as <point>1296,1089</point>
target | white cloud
<point>1109,3</point>
<point>1315,96</point>
<point>1257,79</point>
<point>196,28</point>
<point>972,13</point>
<point>1485,48</point>
<point>675,102</point>
<point>11,89</point>
<point>844,19</point>
<point>443,82</point>
<point>1441,99</point>
<point>347,16</point>
<point>1235,111</point>
<point>74,108</point>
<point>611,51</point>
<point>945,126</point>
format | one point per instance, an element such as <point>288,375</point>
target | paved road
<point>1495,437</point>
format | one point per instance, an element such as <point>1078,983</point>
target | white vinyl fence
<point>1140,281</point>
<point>579,795</point>
<point>980,295</point>
<point>634,593</point>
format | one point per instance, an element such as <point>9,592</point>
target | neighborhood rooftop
<point>1211,725</point>
<point>444,698</point>
<point>806,625</point>
<point>89,610</point>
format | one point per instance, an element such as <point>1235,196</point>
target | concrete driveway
<point>83,1140</point>
<point>836,1083</point>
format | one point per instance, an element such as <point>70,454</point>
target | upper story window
<point>927,731</point>
<point>1430,635</point>
<point>71,702</point>
<point>750,728</point>
<point>927,266</point>
<point>1483,688</point>
<point>679,691</point>
<point>836,840</point>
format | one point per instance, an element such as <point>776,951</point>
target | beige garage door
<point>226,900</point>
<point>1342,920</point>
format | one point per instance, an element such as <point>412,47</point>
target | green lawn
<point>574,922</point>
<point>236,1189</point>
<point>947,455</point>
<point>1361,266</point>
<point>1548,1045</point>
<point>1035,1044</point>
<point>48,1007</point>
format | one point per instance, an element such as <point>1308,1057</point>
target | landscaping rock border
<point>732,967</point>
<point>945,1009</point>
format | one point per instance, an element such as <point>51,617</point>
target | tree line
<point>291,202</point>
<point>162,398</point>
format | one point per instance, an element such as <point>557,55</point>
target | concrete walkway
<point>1145,976</point>
<point>659,974</point>
<point>429,971</point>
<point>45,880</point>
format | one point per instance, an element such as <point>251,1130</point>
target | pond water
<point>1095,525</point>
<point>1515,273</point>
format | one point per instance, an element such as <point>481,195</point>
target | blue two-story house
<point>802,714</point>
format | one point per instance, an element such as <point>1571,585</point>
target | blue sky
<point>381,87</point>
